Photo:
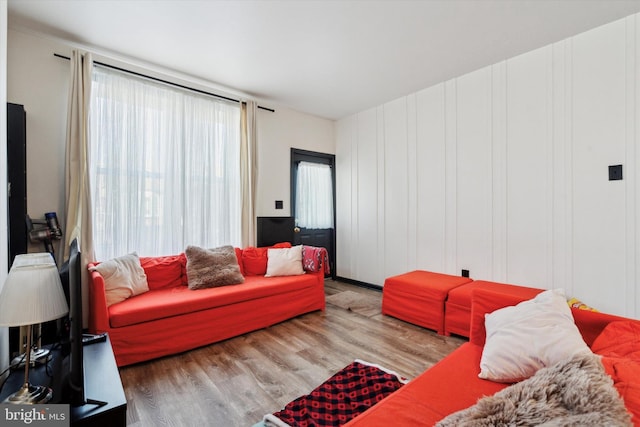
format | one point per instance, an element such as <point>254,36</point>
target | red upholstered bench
<point>418,297</point>
<point>457,311</point>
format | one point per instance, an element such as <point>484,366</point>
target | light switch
<point>615,172</point>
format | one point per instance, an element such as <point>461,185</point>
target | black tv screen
<point>75,381</point>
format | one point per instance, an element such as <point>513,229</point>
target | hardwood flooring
<point>237,381</point>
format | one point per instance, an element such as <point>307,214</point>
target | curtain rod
<point>124,70</point>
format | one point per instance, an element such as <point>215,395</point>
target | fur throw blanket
<point>576,392</point>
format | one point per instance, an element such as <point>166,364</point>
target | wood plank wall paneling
<point>598,131</point>
<point>499,247</point>
<point>473,181</point>
<point>634,303</point>
<point>396,183</point>
<point>528,173</point>
<point>430,176</point>
<point>367,196</point>
<point>504,171</point>
<point>632,84</point>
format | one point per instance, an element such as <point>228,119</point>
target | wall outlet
<point>465,273</point>
<point>278,204</point>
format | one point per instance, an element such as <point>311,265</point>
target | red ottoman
<point>457,317</point>
<point>418,297</point>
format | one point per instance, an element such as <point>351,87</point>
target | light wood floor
<point>236,382</point>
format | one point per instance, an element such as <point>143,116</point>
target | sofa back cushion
<point>254,260</point>
<point>165,271</point>
<point>592,323</point>
<point>619,346</point>
<point>483,301</point>
<point>239,258</point>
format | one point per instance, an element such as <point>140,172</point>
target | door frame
<point>298,155</point>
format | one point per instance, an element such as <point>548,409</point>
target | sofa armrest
<point>591,323</point>
<point>98,311</point>
<point>484,301</point>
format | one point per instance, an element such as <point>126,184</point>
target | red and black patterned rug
<point>346,394</point>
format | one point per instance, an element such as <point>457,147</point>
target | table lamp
<point>38,354</point>
<point>21,260</point>
<point>32,294</point>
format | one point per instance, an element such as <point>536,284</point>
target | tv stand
<point>105,405</point>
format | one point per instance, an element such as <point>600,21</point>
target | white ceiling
<point>328,58</point>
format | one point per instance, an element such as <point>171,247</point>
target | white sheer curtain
<point>165,168</point>
<point>314,196</point>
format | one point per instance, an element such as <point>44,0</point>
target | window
<point>314,196</point>
<point>164,167</point>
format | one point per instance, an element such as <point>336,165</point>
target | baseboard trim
<point>359,283</point>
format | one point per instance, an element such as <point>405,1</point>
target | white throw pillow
<point>531,335</point>
<point>284,261</point>
<point>123,278</point>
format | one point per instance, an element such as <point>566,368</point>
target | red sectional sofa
<point>457,308</point>
<point>453,383</point>
<point>170,318</point>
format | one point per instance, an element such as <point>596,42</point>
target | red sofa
<point>453,383</point>
<point>170,318</point>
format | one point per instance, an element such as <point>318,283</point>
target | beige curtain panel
<point>78,194</point>
<point>248,170</point>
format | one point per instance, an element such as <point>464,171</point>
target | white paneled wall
<point>504,171</point>
<point>528,169</point>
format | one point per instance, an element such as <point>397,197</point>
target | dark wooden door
<point>319,237</point>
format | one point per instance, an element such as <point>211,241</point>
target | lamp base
<point>30,395</point>
<point>38,356</point>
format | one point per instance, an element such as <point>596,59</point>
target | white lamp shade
<point>32,294</point>
<point>33,258</point>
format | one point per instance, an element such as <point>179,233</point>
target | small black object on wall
<point>615,172</point>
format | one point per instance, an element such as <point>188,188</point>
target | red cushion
<point>424,283</point>
<point>625,374</point>
<point>485,301</point>
<point>619,339</point>
<point>239,257</point>
<point>164,272</point>
<point>619,344</point>
<point>462,294</point>
<point>164,303</point>
<point>254,260</point>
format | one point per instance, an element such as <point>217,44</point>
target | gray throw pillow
<point>208,268</point>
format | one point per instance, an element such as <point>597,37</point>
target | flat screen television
<point>73,383</point>
<point>75,379</point>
